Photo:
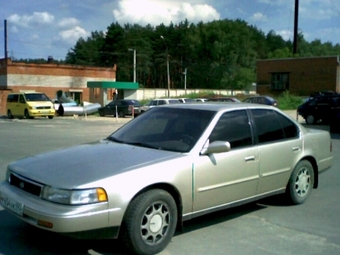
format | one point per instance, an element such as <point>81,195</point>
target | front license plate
<point>12,205</point>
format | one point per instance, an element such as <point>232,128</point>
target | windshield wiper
<point>144,145</point>
<point>114,139</point>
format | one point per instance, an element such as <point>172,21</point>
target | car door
<point>323,108</point>
<point>222,178</point>
<point>110,109</point>
<point>21,106</point>
<point>13,104</point>
<point>279,147</point>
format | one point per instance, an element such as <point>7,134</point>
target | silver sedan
<point>170,164</point>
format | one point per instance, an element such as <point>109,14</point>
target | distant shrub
<point>288,102</point>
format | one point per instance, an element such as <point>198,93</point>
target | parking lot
<point>269,226</point>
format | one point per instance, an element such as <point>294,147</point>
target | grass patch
<point>289,102</point>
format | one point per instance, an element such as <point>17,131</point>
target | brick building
<point>300,76</point>
<point>49,78</point>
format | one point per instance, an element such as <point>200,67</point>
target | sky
<point>38,29</point>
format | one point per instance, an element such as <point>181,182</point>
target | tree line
<point>221,54</point>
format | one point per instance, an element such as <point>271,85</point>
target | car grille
<point>25,185</point>
<point>43,107</point>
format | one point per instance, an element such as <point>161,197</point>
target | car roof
<point>165,99</point>
<point>219,106</point>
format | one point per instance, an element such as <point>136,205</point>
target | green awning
<point>112,84</point>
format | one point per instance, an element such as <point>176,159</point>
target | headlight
<point>74,197</point>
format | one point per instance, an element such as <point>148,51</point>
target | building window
<point>279,81</point>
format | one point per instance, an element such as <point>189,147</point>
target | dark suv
<point>320,108</point>
<point>121,107</point>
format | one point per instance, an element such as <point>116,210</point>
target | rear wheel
<point>310,119</point>
<point>50,117</point>
<point>150,222</point>
<point>9,114</point>
<point>301,182</point>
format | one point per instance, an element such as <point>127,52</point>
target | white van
<point>29,105</point>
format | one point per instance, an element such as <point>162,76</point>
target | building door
<point>77,96</point>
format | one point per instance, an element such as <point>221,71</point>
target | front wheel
<point>301,182</point>
<point>150,222</point>
<point>27,114</point>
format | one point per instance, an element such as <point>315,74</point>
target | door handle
<point>250,158</point>
<point>296,148</point>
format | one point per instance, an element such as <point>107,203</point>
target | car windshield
<point>161,128</point>
<point>36,97</point>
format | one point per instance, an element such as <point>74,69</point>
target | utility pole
<point>185,80</point>
<point>134,64</point>
<point>296,25</point>
<point>5,24</point>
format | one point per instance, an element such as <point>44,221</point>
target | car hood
<point>82,164</point>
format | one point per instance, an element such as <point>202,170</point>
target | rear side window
<point>233,127</point>
<point>12,98</point>
<point>271,126</point>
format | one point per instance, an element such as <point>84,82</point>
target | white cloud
<point>154,13</point>
<point>34,20</point>
<point>71,36</point>
<point>286,34</point>
<point>68,22</point>
<point>259,17</point>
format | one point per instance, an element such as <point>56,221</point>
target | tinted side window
<point>267,125</point>
<point>289,128</point>
<point>233,127</point>
<point>323,101</point>
<point>154,102</point>
<point>12,98</point>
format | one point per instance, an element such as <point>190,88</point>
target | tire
<point>50,117</point>
<point>301,183</point>
<point>150,222</point>
<point>310,119</point>
<point>9,114</point>
<point>121,114</point>
<point>27,114</point>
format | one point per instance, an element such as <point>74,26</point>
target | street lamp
<point>134,64</point>
<point>167,65</point>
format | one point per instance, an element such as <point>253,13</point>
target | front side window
<point>234,128</point>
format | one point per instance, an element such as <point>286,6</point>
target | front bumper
<point>55,217</point>
<point>42,113</point>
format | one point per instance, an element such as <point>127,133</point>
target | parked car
<point>320,108</point>
<point>224,99</point>
<point>159,101</point>
<point>171,164</point>
<point>121,107</point>
<point>261,100</point>
<point>201,100</point>
<point>187,100</point>
<point>29,105</point>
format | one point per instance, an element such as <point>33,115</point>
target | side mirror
<point>216,147</point>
